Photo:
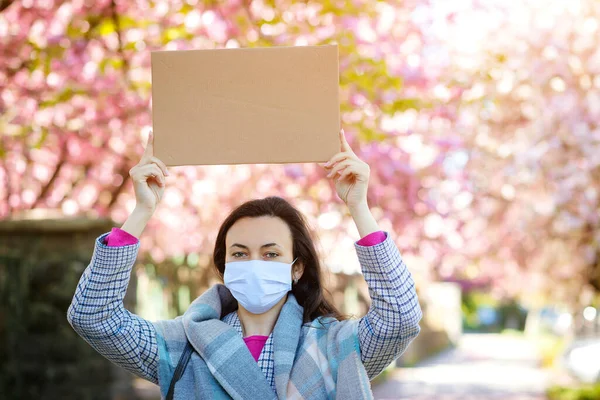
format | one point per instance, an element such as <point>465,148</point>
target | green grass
<point>585,392</point>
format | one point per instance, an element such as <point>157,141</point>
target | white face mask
<point>257,284</point>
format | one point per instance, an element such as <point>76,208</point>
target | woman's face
<point>262,238</point>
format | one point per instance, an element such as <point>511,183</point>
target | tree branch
<point>124,172</point>
<point>4,4</point>
<point>46,188</point>
<point>115,18</point>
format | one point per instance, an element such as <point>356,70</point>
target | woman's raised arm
<point>98,315</point>
<point>393,318</point>
<point>97,312</point>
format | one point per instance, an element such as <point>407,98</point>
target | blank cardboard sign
<point>246,106</point>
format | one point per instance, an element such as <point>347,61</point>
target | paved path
<point>481,367</point>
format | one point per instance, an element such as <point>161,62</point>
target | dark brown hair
<point>309,290</point>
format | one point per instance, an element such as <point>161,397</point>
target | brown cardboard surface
<point>246,106</point>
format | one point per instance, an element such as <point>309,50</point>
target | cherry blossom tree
<point>478,118</point>
<point>521,86</point>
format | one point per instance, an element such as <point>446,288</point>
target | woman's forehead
<point>256,232</point>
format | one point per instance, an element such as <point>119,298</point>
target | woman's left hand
<point>350,174</point>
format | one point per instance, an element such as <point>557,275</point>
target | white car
<point>582,359</point>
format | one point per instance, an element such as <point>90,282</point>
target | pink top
<point>255,344</point>
<point>119,237</point>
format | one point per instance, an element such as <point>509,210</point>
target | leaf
<point>175,33</point>
<point>73,32</point>
<point>371,135</point>
<point>116,63</point>
<point>126,22</point>
<point>102,65</point>
<point>34,63</point>
<point>62,97</point>
<point>42,139</point>
<point>47,64</point>
<point>106,27</point>
<point>501,58</point>
<point>186,8</point>
<point>401,105</point>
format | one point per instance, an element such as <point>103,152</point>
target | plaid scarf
<point>317,360</point>
<point>266,362</point>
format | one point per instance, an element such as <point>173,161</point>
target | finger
<point>344,143</point>
<point>337,158</point>
<point>350,170</point>
<point>160,164</point>
<point>340,166</point>
<point>357,171</point>
<point>345,158</point>
<point>149,150</point>
<point>150,171</point>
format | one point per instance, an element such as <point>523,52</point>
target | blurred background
<point>479,119</point>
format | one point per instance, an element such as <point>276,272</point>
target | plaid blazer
<point>97,313</point>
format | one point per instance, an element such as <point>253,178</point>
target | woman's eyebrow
<point>262,247</point>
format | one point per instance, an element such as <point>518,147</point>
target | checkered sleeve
<point>97,313</point>
<point>392,321</point>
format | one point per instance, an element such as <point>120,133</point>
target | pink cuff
<point>118,237</point>
<point>372,239</point>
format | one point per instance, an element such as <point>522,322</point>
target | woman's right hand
<point>148,179</point>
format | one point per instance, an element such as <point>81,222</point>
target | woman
<point>268,332</point>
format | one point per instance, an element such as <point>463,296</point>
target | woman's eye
<point>270,254</point>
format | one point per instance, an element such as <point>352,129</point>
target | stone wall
<point>41,262</point>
